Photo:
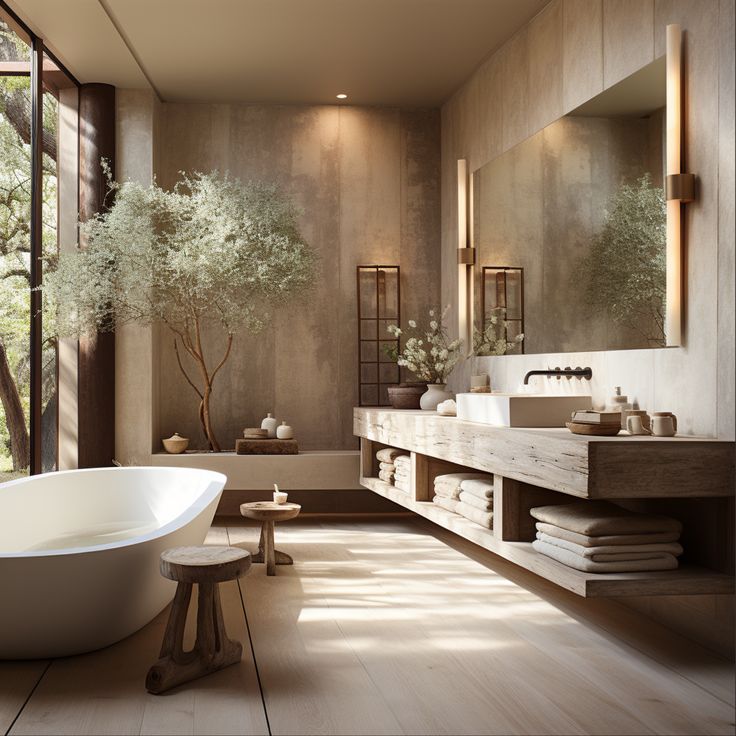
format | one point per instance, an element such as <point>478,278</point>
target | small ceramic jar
<point>664,424</point>
<point>176,444</point>
<point>284,432</point>
<point>270,424</point>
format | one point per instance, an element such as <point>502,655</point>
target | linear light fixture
<point>465,255</point>
<point>679,188</point>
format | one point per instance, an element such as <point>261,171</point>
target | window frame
<point>38,49</point>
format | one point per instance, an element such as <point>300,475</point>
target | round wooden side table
<point>207,566</point>
<point>268,513</point>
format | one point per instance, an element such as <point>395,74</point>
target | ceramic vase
<point>284,432</point>
<point>436,393</point>
<point>270,424</point>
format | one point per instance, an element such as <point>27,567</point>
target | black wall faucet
<point>586,373</point>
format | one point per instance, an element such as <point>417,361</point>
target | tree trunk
<point>14,417</point>
<point>207,421</point>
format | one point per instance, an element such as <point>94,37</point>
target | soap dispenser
<point>619,403</point>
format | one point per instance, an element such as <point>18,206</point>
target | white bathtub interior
<point>92,508</point>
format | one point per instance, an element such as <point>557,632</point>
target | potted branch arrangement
<point>429,354</point>
<point>491,340</point>
<point>213,253</point>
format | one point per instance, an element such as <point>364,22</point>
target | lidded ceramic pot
<point>284,432</point>
<point>176,444</point>
<point>270,424</point>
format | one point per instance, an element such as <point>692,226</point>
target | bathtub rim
<point>211,492</point>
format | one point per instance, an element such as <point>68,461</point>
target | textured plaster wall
<point>367,180</point>
<point>568,53</point>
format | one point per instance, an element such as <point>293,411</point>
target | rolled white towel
<point>386,476</point>
<point>481,487</point>
<point>484,518</point>
<point>388,454</point>
<point>387,466</point>
<point>484,504</point>
<point>446,503</point>
<point>453,493</point>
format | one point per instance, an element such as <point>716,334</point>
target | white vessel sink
<point>520,410</point>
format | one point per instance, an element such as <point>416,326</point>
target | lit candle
<point>279,496</point>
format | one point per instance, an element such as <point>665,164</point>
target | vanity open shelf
<point>533,467</point>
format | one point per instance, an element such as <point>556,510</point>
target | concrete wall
<point>567,54</point>
<point>367,180</point>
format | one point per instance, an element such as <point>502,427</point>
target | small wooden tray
<point>250,446</point>
<point>599,430</point>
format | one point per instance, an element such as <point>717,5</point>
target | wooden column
<point>96,353</point>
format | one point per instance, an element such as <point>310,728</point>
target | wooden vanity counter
<point>532,467</point>
<point>579,465</point>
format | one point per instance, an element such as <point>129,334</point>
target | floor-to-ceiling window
<point>38,214</point>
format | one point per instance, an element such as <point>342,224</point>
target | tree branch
<point>181,367</point>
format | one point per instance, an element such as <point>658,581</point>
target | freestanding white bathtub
<point>79,553</point>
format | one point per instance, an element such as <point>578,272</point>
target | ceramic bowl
<point>175,444</point>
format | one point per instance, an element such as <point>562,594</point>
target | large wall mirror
<point>570,229</point>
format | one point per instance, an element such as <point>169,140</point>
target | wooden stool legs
<point>266,551</point>
<point>212,649</point>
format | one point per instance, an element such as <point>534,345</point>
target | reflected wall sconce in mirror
<point>679,188</point>
<point>465,255</point>
<point>503,292</point>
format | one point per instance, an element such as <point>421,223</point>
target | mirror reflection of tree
<point>626,267</point>
<point>15,245</point>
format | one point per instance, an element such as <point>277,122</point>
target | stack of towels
<point>402,474</point>
<point>394,467</point>
<point>467,494</point>
<point>597,536</point>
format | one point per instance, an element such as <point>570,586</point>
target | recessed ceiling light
<point>341,96</point>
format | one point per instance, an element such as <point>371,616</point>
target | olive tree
<point>214,250</point>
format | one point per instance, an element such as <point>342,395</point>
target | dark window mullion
<point>36,248</point>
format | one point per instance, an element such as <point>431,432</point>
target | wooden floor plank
<point>313,683</point>
<point>103,692</point>
<point>17,680</point>
<point>454,647</point>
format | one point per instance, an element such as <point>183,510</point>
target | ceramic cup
<point>646,421</point>
<point>664,424</point>
<point>280,497</point>
<point>635,425</point>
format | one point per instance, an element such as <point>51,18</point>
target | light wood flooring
<point>391,626</point>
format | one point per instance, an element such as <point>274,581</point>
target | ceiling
<point>378,52</point>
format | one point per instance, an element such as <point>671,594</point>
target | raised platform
<point>322,470</point>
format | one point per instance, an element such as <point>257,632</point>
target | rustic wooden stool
<point>208,566</point>
<point>268,513</point>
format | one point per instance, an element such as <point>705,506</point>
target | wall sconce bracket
<point>466,256</point>
<point>680,186</point>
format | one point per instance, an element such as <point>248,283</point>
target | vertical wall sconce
<point>679,188</point>
<point>465,255</point>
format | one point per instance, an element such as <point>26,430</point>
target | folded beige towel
<point>484,504</point>
<point>403,472</point>
<point>482,488</point>
<point>484,518</point>
<point>386,466</point>
<point>446,503</point>
<point>662,562</point>
<point>453,480</point>
<point>402,485</point>
<point>445,492</point>
<point>386,476</point>
<point>586,541</point>
<point>614,552</point>
<point>389,454</point>
<point>595,518</point>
